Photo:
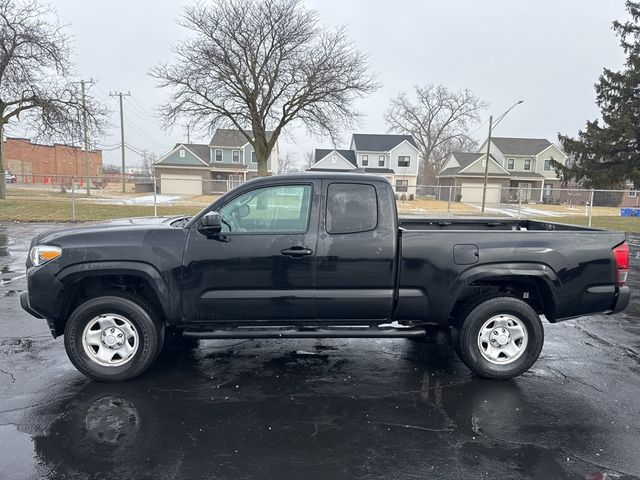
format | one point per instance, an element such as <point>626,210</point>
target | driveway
<point>330,409</point>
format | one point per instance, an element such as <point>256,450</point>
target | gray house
<point>393,156</point>
<point>197,169</point>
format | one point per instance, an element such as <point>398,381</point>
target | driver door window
<point>278,209</point>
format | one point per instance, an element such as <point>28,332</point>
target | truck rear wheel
<point>112,338</point>
<point>500,338</point>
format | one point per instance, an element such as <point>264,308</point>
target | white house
<point>394,157</point>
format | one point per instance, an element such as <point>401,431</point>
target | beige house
<point>519,168</point>
<point>197,169</point>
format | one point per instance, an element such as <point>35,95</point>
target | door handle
<point>296,251</point>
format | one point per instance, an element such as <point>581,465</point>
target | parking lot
<point>319,409</point>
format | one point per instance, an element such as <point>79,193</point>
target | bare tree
<point>287,163</point>
<point>36,87</point>
<point>147,162</point>
<point>309,159</point>
<point>439,120</point>
<point>259,65</point>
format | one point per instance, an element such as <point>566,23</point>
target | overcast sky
<point>548,53</point>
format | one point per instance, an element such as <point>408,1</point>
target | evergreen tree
<point>607,152</point>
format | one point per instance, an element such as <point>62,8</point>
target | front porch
<point>533,190</point>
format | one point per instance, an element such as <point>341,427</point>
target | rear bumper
<point>622,300</point>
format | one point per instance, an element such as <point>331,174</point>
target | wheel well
<point>532,290</point>
<point>87,288</point>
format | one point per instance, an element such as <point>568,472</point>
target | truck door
<point>356,254</point>
<point>261,267</point>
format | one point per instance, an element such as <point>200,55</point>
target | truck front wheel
<point>500,338</point>
<point>112,338</point>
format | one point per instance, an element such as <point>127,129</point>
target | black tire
<point>149,332</point>
<point>469,344</point>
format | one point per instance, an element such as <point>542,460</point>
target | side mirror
<point>211,223</point>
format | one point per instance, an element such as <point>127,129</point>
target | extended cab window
<point>281,209</point>
<point>351,208</point>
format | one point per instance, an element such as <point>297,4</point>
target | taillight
<point>621,257</point>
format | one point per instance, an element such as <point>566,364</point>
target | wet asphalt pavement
<point>309,409</point>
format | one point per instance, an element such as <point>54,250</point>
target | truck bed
<point>416,222</point>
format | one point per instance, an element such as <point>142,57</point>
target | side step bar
<point>256,333</point>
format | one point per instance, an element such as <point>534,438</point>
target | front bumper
<point>24,303</point>
<point>622,300</point>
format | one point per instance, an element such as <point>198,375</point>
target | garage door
<point>180,184</point>
<point>472,192</point>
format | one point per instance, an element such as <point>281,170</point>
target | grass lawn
<point>621,224</point>
<point>40,210</point>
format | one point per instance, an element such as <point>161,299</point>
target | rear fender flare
<point>506,270</point>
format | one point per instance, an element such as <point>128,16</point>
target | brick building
<point>36,163</point>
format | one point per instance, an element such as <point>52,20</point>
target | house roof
<point>199,150</point>
<point>376,170</point>
<point>526,175</point>
<point>464,159</point>
<point>380,142</point>
<point>228,166</point>
<point>348,155</point>
<point>231,137</point>
<point>520,146</point>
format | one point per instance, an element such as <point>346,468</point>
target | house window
<point>236,156</point>
<point>633,192</point>
<point>402,185</point>
<point>404,161</point>
<point>365,160</point>
<point>511,163</point>
<point>218,155</point>
<point>253,157</point>
<point>182,153</point>
<point>547,165</point>
<point>527,164</point>
<point>381,159</point>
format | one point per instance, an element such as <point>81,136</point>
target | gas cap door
<point>465,254</point>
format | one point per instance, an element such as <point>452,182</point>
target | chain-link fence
<point>67,198</point>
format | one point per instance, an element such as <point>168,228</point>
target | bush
<point>397,197</point>
<point>411,197</point>
<point>403,197</point>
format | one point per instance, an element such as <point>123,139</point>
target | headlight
<point>44,253</point>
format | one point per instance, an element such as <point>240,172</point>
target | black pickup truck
<point>318,255</point>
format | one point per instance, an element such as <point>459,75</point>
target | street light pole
<point>486,165</point>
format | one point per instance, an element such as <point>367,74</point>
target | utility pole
<point>188,135</point>
<point>122,172</point>
<point>86,138</point>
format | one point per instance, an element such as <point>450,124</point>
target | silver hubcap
<point>502,339</point>
<point>110,340</point>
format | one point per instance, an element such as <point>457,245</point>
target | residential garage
<point>472,192</point>
<point>180,184</point>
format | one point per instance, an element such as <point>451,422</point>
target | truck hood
<point>50,236</point>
